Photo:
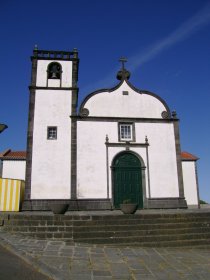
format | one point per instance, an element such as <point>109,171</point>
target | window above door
<point>126,132</point>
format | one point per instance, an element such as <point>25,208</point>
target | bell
<point>53,75</point>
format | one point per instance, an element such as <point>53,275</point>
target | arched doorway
<point>127,179</point>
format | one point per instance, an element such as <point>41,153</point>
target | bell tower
<point>51,152</point>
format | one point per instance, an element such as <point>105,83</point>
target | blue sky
<point>167,44</point>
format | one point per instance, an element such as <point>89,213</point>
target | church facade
<point>121,144</point>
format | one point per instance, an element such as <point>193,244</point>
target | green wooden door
<point>127,180</point>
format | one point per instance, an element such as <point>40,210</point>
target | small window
<point>125,132</point>
<point>52,133</point>
<point>54,71</point>
<point>125,92</point>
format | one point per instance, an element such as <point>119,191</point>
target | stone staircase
<point>149,230</point>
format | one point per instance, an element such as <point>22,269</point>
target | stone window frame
<point>52,132</point>
<point>133,134</point>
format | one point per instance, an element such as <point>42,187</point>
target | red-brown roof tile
<point>187,156</point>
<point>8,154</point>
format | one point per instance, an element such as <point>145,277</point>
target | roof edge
<point>185,156</point>
<point>4,153</point>
<point>13,155</point>
<point>82,106</point>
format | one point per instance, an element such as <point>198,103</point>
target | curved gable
<point>126,101</point>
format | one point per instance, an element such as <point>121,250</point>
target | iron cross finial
<point>123,60</point>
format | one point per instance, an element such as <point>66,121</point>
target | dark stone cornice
<point>54,88</point>
<point>51,58</point>
<point>55,55</point>
<point>123,119</point>
<point>126,144</point>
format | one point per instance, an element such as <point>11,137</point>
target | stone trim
<point>148,172</point>
<point>51,58</point>
<point>53,55</point>
<point>74,204</point>
<point>178,158</point>
<point>30,130</point>
<point>197,185</point>
<point>51,88</point>
<point>73,165</point>
<point>126,144</point>
<point>122,119</point>
<point>104,204</point>
<point>107,165</point>
<point>166,203</point>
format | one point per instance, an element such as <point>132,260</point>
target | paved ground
<point>13,268</point>
<point>61,261</point>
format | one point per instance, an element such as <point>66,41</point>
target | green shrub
<point>203,202</point>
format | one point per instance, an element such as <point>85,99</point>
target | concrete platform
<point>61,262</point>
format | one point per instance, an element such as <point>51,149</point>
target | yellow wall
<point>11,194</point>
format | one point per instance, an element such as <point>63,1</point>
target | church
<point>120,144</point>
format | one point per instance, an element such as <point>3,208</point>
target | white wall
<point>91,157</point>
<point>162,158</point>
<point>51,158</point>
<point>14,169</point>
<point>66,80</point>
<point>190,185</point>
<point>118,105</point>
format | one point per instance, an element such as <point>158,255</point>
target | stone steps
<point>131,227</point>
<point>186,229</point>
<point>198,243</point>
<point>68,221</point>
<point>137,222</point>
<point>149,241</point>
<point>38,223</point>
<point>120,237</point>
<point>103,231</point>
<point>144,239</point>
<point>139,233</point>
<point>101,228</point>
<point>35,216</point>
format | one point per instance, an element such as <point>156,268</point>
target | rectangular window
<point>126,132</point>
<point>52,132</point>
